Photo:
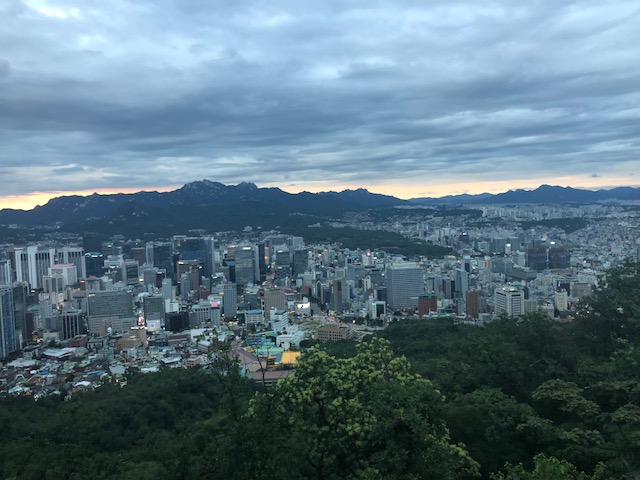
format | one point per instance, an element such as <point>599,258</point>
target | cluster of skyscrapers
<point>112,286</point>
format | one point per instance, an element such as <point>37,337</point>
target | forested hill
<point>517,399</point>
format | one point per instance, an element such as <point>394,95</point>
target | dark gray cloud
<point>124,94</point>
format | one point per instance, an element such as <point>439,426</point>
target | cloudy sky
<point>401,97</point>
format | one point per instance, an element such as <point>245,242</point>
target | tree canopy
<point>521,398</point>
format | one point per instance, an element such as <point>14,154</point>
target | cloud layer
<point>121,94</point>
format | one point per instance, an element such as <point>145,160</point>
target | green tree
<point>485,417</point>
<point>547,468</point>
<point>362,417</point>
<point>612,312</point>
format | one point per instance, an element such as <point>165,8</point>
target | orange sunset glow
<point>34,199</point>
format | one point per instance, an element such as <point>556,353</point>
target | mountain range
<point>544,194</point>
<point>204,193</point>
<point>213,205</point>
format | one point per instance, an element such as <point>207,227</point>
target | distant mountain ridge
<point>74,208</point>
<point>217,205</point>
<point>544,194</point>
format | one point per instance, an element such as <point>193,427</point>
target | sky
<point>406,98</point>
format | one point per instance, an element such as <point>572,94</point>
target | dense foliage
<point>519,387</point>
<point>152,428</point>
<point>518,399</point>
<point>390,242</point>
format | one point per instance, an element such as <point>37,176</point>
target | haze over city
<point>401,99</point>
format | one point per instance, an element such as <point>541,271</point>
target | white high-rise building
<point>5,272</point>
<point>562,300</point>
<point>67,271</point>
<point>509,300</point>
<point>33,263</point>
<point>74,255</point>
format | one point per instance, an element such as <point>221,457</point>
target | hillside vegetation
<point>518,399</point>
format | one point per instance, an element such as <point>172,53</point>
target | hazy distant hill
<point>554,194</point>
<point>465,198</point>
<point>543,194</point>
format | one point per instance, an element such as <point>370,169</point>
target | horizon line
<point>30,201</point>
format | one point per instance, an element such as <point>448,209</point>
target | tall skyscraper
<point>7,322</point>
<point>75,256</point>
<point>230,300</point>
<point>462,282</point>
<point>33,263</point>
<point>94,262</point>
<point>559,257</point>
<point>160,255</point>
<point>6,276</point>
<point>245,264</point>
<point>472,303</point>
<point>209,264</point>
<point>509,300</point>
<point>404,284</point>
<point>263,260</point>
<point>336,298</point>
<point>283,258</point>
<point>21,301</point>
<point>201,249</point>
<point>300,262</point>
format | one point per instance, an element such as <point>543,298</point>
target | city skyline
<point>405,100</point>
